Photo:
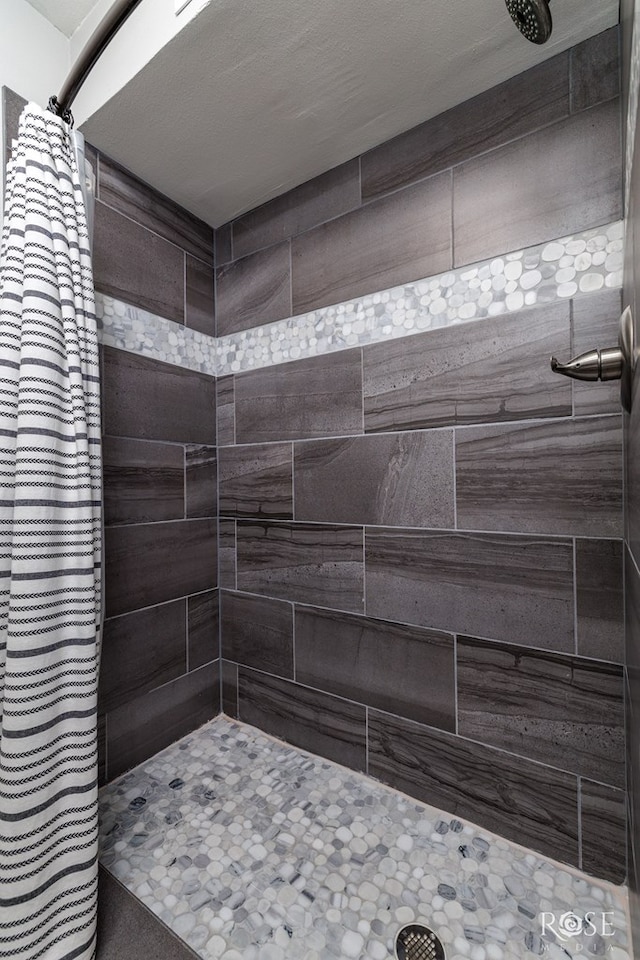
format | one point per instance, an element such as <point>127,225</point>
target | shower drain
<point>415,942</point>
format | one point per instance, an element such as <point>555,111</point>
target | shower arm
<point>98,41</point>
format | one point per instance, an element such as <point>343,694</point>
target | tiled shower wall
<point>420,540</point>
<point>159,670</point>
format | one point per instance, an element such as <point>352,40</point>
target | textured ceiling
<point>253,98</point>
<point>66,15</point>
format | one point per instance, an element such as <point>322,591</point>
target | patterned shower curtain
<point>50,553</point>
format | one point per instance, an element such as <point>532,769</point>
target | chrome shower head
<point>532,18</point>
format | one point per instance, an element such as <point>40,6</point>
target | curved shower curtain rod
<point>97,43</point>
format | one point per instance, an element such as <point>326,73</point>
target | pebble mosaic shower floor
<point>250,849</point>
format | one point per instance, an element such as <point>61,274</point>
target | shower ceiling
<point>66,15</point>
<point>253,98</point>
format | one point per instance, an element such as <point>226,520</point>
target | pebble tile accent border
<point>573,266</point>
<point>249,849</point>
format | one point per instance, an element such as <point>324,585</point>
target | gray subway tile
<point>256,481</point>
<point>561,179</point>
<point>315,397</point>
<point>132,264</point>
<point>595,323</point>
<point>258,632</point>
<point>600,599</point>
<point>253,290</point>
<point>513,588</point>
<point>309,719</point>
<point>309,563</point>
<point>230,688</point>
<point>143,481</point>
<point>227,551</point>
<point>595,70</point>
<point>560,477</point>
<point>203,623</point>
<point>560,710</point>
<point>404,670</point>
<point>523,801</point>
<point>199,299</point>
<point>604,841</point>
<point>390,241</point>
<point>401,479</point>
<point>523,103</point>
<point>201,481</point>
<point>327,196</point>
<point>494,369</point>
<point>225,403</point>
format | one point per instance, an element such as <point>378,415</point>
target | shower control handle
<point>610,363</point>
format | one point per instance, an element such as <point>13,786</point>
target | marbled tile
<point>309,719</point>
<point>317,397</point>
<point>135,265</point>
<point>559,477</point>
<point>253,290</point>
<point>256,481</point>
<point>404,670</point>
<point>156,401</point>
<point>523,103</point>
<point>227,553</point>
<point>595,70</point>
<point>513,588</point>
<point>308,563</point>
<point>600,599</point>
<point>199,302</point>
<point>465,374</point>
<point>257,632</point>
<point>230,688</point>
<point>152,562</point>
<point>604,841</point>
<point>143,481</point>
<point>225,401</point>
<point>141,651</point>
<point>327,196</point>
<point>203,628</point>
<point>500,204</point>
<point>138,201</point>
<point>137,730</point>
<point>389,241</point>
<point>527,802</point>
<point>595,322</point>
<point>565,711</point>
<point>222,244</point>
<point>201,481</point>
<point>401,479</point>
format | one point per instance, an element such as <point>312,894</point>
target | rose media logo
<point>569,925</point>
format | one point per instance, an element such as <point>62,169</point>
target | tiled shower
<point>399,547</point>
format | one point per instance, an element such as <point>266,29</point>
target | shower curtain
<point>50,553</point>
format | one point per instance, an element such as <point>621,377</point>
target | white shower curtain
<point>50,553</point>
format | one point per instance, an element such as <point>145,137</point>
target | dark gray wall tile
<point>156,401</point>
<point>135,265</point>
<point>518,589</point>
<point>254,290</point>
<point>258,633</point>
<point>560,477</point>
<point>225,394</point>
<point>199,305</point>
<point>595,321</point>
<point>227,551</point>
<point>604,840</point>
<point>139,729</point>
<point>595,70</point>
<point>141,651</point>
<point>230,688</point>
<point>397,479</point>
<point>522,801</point>
<point>317,397</point>
<point>564,711</point>
<point>256,481</point>
<point>600,599</point>
<point>465,374</point>
<point>222,244</point>
<point>305,562</point>
<point>201,481</point>
<point>331,194</point>
<point>530,100</point>
<point>123,191</point>
<point>153,562</point>
<point>551,183</point>
<point>203,628</point>
<point>143,481</point>
<point>306,718</point>
<point>405,670</point>
<point>401,238</point>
